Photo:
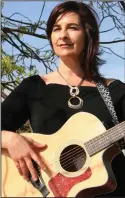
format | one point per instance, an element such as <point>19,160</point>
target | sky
<point>115,66</point>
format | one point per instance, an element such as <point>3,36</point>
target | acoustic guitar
<point>76,163</point>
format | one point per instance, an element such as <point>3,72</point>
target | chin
<point>63,55</point>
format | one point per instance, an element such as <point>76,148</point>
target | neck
<point>71,68</point>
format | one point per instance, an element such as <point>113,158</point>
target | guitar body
<point>63,174</point>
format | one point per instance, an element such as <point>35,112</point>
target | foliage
<point>13,73</point>
<point>13,31</point>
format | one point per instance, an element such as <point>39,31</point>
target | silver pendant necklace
<point>74,92</point>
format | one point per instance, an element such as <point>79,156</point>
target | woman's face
<point>68,37</point>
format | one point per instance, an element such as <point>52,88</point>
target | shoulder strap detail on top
<point>105,94</point>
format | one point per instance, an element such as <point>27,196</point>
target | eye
<point>73,27</point>
<point>55,29</point>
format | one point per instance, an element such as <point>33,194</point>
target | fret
<point>105,139</point>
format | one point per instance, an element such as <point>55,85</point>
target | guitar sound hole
<point>72,158</point>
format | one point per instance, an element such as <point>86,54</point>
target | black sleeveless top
<point>46,106</point>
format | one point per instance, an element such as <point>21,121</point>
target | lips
<point>65,45</point>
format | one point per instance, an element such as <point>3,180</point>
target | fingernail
<point>35,178</point>
<point>43,145</point>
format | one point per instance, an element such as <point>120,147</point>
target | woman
<point>48,101</point>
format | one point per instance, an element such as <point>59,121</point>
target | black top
<point>47,109</point>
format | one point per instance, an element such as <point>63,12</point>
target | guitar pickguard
<point>60,185</point>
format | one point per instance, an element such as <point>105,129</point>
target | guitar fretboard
<point>106,139</point>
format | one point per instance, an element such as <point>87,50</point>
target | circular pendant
<point>79,105</point>
<point>74,91</point>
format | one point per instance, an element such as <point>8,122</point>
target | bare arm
<point>22,150</point>
<point>6,138</point>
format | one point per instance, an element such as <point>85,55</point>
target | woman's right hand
<point>23,150</point>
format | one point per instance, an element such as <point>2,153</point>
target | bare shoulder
<point>50,77</point>
<point>109,81</point>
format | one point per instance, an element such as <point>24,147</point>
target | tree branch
<point>10,30</point>
<point>107,30</point>
<point>113,52</point>
<point>24,23</point>
<point>41,13</point>
<point>111,42</point>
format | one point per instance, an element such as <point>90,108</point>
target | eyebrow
<point>76,24</point>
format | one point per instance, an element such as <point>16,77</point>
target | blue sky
<point>114,68</point>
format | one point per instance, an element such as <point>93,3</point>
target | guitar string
<point>73,154</point>
<point>104,143</point>
<point>66,162</point>
<point>91,145</point>
<point>75,159</point>
<point>74,149</point>
<point>69,163</point>
<point>93,140</point>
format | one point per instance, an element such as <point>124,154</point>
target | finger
<point>24,169</point>
<point>37,144</point>
<point>18,167</point>
<point>36,158</point>
<point>31,168</point>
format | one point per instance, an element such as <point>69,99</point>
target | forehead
<point>68,17</point>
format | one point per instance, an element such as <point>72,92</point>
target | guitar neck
<point>106,139</point>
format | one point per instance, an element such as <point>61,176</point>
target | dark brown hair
<point>89,18</point>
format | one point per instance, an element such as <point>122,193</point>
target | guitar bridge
<point>39,184</point>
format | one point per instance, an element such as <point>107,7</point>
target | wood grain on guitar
<point>77,160</point>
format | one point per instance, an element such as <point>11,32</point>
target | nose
<point>63,34</point>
